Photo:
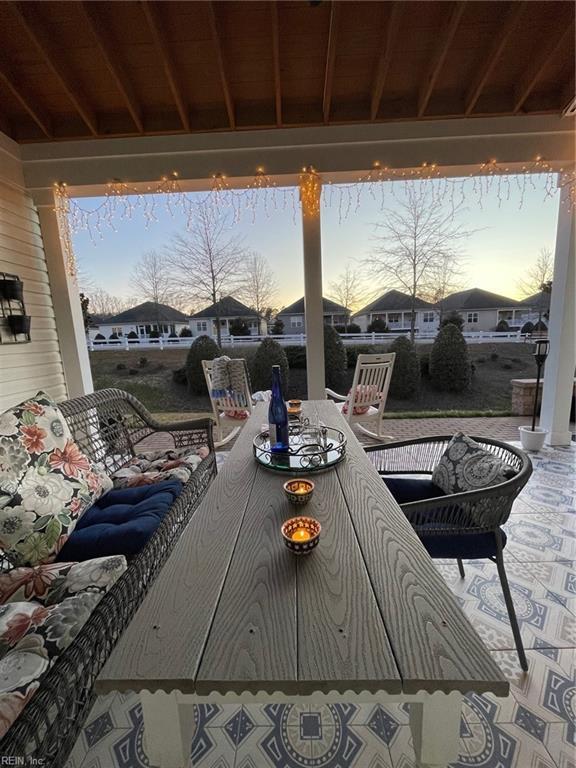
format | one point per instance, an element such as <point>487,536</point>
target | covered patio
<point>120,99</point>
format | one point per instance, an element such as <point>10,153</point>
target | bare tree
<point>151,280</point>
<point>104,304</point>
<point>205,264</point>
<point>538,279</point>
<point>258,287</point>
<point>347,290</point>
<point>414,243</point>
<point>444,278</point>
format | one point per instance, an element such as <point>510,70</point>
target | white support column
<point>559,370</point>
<point>313,307</point>
<point>67,309</point>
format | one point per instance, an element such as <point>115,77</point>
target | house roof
<point>328,307</point>
<point>393,301</point>
<point>477,298</point>
<point>148,311</point>
<point>538,300</point>
<point>228,306</point>
<point>135,68</point>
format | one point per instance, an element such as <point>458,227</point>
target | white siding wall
<point>26,368</point>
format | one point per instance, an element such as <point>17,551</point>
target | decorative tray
<point>311,449</point>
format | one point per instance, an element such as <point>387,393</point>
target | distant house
<point>294,317</point>
<point>228,309</point>
<point>142,319</point>
<point>536,307</point>
<point>482,310</point>
<point>395,308</point>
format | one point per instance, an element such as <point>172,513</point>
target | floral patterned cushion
<point>46,481</point>
<point>367,392</point>
<point>156,466</point>
<point>33,635</point>
<point>466,466</point>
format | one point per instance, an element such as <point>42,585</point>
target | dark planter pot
<point>12,290</point>
<point>19,324</point>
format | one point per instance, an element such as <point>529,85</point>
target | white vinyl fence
<point>297,339</point>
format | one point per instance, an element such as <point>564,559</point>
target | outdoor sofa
<point>110,427</point>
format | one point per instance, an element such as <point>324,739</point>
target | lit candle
<point>301,534</point>
<point>302,488</point>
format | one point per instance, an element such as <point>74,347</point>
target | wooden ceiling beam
<point>509,22</point>
<point>26,100</point>
<point>541,60</point>
<point>276,62</point>
<point>216,37</point>
<point>162,45</point>
<point>51,53</point>
<point>330,59</point>
<point>392,26</point>
<point>109,50</point>
<point>439,56</point>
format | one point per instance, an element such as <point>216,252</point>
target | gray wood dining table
<point>235,616</point>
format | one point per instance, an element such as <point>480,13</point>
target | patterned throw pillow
<point>46,481</point>
<point>466,466</point>
<point>367,392</point>
<point>155,466</point>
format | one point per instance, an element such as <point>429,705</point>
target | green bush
<point>453,318</point>
<point>335,359</point>
<point>405,383</point>
<point>350,328</point>
<point>502,326</point>
<point>378,326</point>
<point>277,327</point>
<point>185,333</point>
<point>154,334</point>
<point>203,348</point>
<point>269,353</point>
<point>527,327</point>
<point>425,366</point>
<point>114,338</point>
<point>353,350</point>
<point>238,327</point>
<point>540,326</point>
<point>449,363</point>
<point>296,357</point>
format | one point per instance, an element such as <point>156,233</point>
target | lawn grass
<point>488,395</point>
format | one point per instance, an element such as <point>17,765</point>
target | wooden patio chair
<point>364,405</point>
<point>223,407</point>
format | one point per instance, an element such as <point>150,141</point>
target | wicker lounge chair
<point>463,526</point>
<point>108,425</point>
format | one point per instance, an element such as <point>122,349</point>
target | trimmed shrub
<point>269,353</point>
<point>449,363</point>
<point>172,338</point>
<point>185,333</point>
<point>277,327</point>
<point>238,327</point>
<point>502,326</point>
<point>335,359</point>
<point>132,337</point>
<point>203,348</point>
<point>350,328</point>
<point>296,356</point>
<point>114,338</point>
<point>405,383</point>
<point>99,338</point>
<point>354,350</point>
<point>452,318</point>
<point>527,327</point>
<point>154,334</point>
<point>540,326</point>
<point>378,326</point>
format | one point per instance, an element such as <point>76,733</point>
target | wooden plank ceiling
<point>90,69</point>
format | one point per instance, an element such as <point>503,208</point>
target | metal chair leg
<point>461,568</point>
<point>509,603</point>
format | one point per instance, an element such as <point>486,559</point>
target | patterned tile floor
<point>535,727</point>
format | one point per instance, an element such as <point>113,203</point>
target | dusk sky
<point>497,256</point>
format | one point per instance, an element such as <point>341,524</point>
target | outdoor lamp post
<point>540,355</point>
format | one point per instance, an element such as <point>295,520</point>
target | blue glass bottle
<point>278,415</point>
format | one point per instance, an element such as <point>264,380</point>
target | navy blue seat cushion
<point>466,546</point>
<point>408,489</point>
<point>121,522</point>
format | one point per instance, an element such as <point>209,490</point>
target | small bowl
<point>299,491</point>
<point>295,531</point>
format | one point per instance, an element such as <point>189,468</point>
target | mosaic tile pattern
<point>535,727</point>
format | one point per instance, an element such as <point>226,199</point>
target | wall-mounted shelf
<point>14,322</point>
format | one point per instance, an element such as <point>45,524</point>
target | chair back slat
<point>371,380</point>
<point>241,400</point>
